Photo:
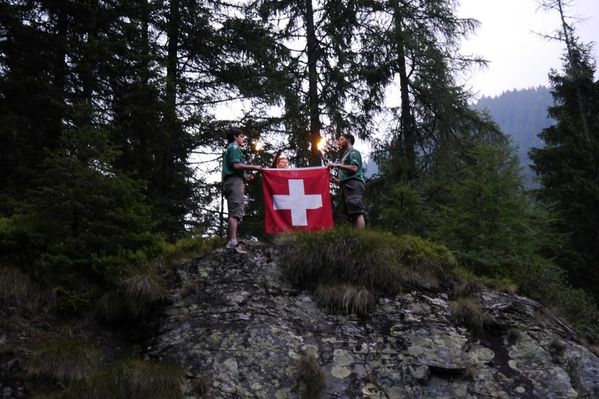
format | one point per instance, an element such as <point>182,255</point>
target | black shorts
<point>353,196</point>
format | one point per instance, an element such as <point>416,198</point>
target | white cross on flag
<point>297,199</point>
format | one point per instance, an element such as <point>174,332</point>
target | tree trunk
<point>313,109</point>
<point>407,124</point>
<point>170,116</point>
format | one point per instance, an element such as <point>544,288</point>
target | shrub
<point>68,302</point>
<point>546,282</point>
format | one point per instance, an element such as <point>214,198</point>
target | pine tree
<point>416,45</point>
<point>567,165</point>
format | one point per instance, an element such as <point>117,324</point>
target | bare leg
<point>233,223</point>
<point>359,222</point>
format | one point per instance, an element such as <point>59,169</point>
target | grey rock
<point>237,322</point>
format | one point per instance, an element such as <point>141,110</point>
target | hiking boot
<point>241,249</point>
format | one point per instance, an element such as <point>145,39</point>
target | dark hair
<point>349,137</point>
<point>275,160</point>
<point>232,133</point>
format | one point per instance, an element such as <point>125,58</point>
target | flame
<point>322,143</point>
<point>258,146</point>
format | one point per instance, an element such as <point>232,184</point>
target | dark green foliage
<point>64,361</point>
<point>399,208</point>
<point>345,299</point>
<point>79,219</point>
<point>310,377</point>
<point>567,167</point>
<point>486,215</point>
<point>71,302</point>
<point>378,261</point>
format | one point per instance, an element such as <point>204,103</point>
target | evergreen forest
<point>108,107</point>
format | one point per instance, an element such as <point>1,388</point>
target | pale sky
<point>518,57</point>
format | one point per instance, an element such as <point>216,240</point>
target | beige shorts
<point>234,189</point>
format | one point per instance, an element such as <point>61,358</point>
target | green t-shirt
<point>232,155</point>
<point>352,157</point>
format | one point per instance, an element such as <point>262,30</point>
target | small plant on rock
<point>310,377</point>
<point>345,298</point>
<point>468,313</point>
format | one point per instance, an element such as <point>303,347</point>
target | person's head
<point>236,135</point>
<point>282,161</point>
<point>344,140</point>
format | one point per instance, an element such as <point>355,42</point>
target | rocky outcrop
<point>239,329</point>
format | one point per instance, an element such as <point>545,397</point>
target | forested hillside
<point>522,115</point>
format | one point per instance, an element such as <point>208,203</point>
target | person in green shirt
<point>351,180</point>
<point>233,174</point>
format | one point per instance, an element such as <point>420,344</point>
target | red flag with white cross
<point>297,199</point>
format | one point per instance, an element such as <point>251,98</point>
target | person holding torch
<point>351,180</point>
<point>233,173</point>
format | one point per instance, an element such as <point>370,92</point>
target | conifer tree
<point>567,165</point>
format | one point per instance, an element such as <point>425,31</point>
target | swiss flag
<point>297,199</point>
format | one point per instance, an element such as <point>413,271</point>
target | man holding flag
<point>351,180</point>
<point>234,167</point>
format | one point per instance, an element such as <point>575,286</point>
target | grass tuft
<point>136,297</point>
<point>112,310</point>
<point>64,360</point>
<point>16,289</point>
<point>131,379</point>
<point>189,248</point>
<point>375,260</point>
<point>143,292</point>
<point>467,312</point>
<point>345,299</point>
<point>310,377</point>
